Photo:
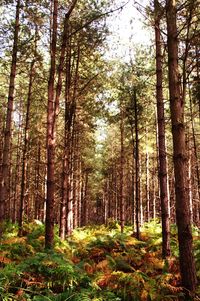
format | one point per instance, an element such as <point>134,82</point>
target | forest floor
<point>96,263</point>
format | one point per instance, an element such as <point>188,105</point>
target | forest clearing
<point>99,150</point>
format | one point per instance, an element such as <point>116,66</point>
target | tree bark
<point>4,185</point>
<point>186,258</point>
<point>164,198</point>
<point>195,147</point>
<point>147,217</point>
<point>122,197</point>
<point>49,223</point>
<point>25,150</point>
<point>137,168</point>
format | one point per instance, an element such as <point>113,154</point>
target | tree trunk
<point>147,217</point>
<point>49,235</point>
<point>195,147</point>
<point>122,197</point>
<point>137,168</point>
<point>164,198</point>
<point>37,184</point>
<point>25,150</point>
<point>4,185</point>
<point>186,258</point>
<point>16,176</point>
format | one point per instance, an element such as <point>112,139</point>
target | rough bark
<point>186,258</point>
<point>164,198</point>
<point>49,223</point>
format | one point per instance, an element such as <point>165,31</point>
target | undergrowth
<point>96,263</point>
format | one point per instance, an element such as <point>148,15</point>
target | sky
<point>127,28</point>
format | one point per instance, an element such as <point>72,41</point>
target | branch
<point>98,17</point>
<point>88,82</point>
<point>71,8</point>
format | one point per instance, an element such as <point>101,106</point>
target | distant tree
<point>137,165</point>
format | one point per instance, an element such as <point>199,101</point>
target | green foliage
<point>54,267</point>
<point>35,236</point>
<point>19,250</point>
<point>96,263</point>
<point>9,276</point>
<point>197,255</point>
<point>113,224</point>
<point>8,229</point>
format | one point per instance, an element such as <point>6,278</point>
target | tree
<point>4,185</point>
<point>187,266</point>
<point>49,235</point>
<point>164,198</point>
<point>137,165</point>
<point>122,159</point>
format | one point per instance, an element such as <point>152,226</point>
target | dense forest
<point>99,155</point>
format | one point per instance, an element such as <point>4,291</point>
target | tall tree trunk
<point>37,184</point>
<point>4,185</point>
<point>133,176</point>
<point>16,180</point>
<point>53,108</point>
<point>25,150</point>
<point>66,151</point>
<point>195,147</point>
<point>147,218</point>
<point>122,197</point>
<point>164,198</point>
<point>137,168</point>
<point>84,198</point>
<point>49,235</point>
<point>65,37</point>
<point>186,258</point>
<point>75,179</point>
<point>190,177</point>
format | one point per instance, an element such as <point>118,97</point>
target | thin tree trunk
<point>37,183</point>
<point>147,182</point>
<point>79,189</point>
<point>65,37</point>
<point>16,180</point>
<point>25,150</point>
<point>137,168</point>
<point>49,235</point>
<point>122,197</point>
<point>195,147</point>
<point>75,181</point>
<point>190,178</point>
<point>4,185</point>
<point>84,201</point>
<point>133,177</point>
<point>1,152</point>
<point>186,258</point>
<point>164,198</point>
